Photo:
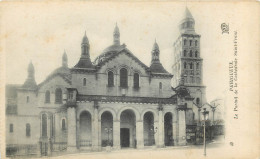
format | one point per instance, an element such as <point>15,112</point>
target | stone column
<point>174,129</point>
<point>181,127</point>
<point>116,134</point>
<point>49,129</point>
<point>156,133</point>
<point>139,134</point>
<point>95,130</point>
<point>160,130</point>
<point>99,136</point>
<point>71,147</point>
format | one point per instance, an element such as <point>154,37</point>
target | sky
<point>41,32</point>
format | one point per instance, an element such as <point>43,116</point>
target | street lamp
<point>205,117</point>
<point>108,130</point>
<point>154,131</point>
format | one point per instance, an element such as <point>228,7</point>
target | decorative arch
<point>111,110</point>
<point>155,113</point>
<point>136,112</point>
<point>81,111</point>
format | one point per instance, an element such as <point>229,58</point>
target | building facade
<point>115,101</point>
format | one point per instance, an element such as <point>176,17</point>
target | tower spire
<point>84,61</point>
<point>30,81</point>
<point>64,59</point>
<point>155,53</point>
<point>187,23</point>
<point>85,46</point>
<point>116,35</point>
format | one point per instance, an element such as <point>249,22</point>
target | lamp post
<point>154,131</point>
<point>205,115</point>
<point>108,130</point>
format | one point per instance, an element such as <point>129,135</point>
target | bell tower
<point>188,64</point>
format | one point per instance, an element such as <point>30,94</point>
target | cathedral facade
<point>115,101</point>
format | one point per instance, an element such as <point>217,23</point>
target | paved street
<point>214,150</point>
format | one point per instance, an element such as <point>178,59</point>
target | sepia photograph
<point>121,79</point>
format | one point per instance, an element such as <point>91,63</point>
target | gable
<point>54,82</point>
<point>125,59</point>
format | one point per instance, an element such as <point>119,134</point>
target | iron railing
<point>85,143</point>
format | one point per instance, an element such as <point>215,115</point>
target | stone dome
<point>108,52</point>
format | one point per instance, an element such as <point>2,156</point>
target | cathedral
<point>114,101</point>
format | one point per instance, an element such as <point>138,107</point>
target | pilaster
<point>116,134</point>
<point>71,130</point>
<point>181,127</point>
<point>139,134</point>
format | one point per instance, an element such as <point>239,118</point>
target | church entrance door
<point>125,137</point>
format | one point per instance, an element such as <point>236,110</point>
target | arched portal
<point>85,129</point>
<point>168,136</point>
<point>149,129</point>
<point>127,129</point>
<point>107,129</point>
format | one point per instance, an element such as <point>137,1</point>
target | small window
<point>190,42</point>
<point>11,128</point>
<point>196,43</point>
<point>27,99</point>
<point>185,65</point>
<point>47,97</point>
<point>58,95</point>
<point>110,79</point>
<point>28,130</point>
<point>44,125</point>
<point>136,80</point>
<point>185,41</point>
<point>160,85</point>
<point>196,54</point>
<point>185,52</point>
<point>71,95</point>
<point>84,81</point>
<point>63,124</point>
<point>197,66</point>
<point>198,101</point>
<point>191,65</point>
<point>123,78</point>
<point>190,53</point>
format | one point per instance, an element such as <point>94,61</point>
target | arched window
<point>197,66</point>
<point>191,65</point>
<point>58,95</point>
<point>110,79</point>
<point>28,130</point>
<point>198,80</point>
<point>44,125</point>
<point>190,42</point>
<point>185,52</point>
<point>196,54</point>
<point>190,53</point>
<point>196,43</point>
<point>11,128</point>
<point>27,99</point>
<point>63,124</point>
<point>47,97</point>
<point>185,65</point>
<point>123,78</point>
<point>197,101</point>
<point>136,80</point>
<point>185,41</point>
<point>84,81</point>
<point>160,85</point>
